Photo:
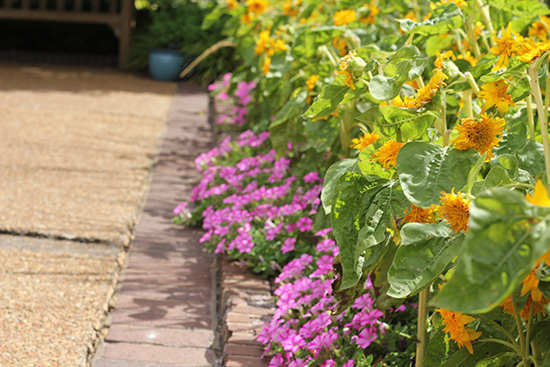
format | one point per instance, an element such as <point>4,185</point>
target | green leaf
<point>281,129</point>
<point>425,251</point>
<point>497,176</point>
<point>390,119</point>
<point>328,101</point>
<point>407,53</point>
<point>426,170</point>
<point>372,168</point>
<point>352,197</point>
<point>506,237</point>
<point>331,178</point>
<point>519,90</point>
<point>531,158</point>
<point>472,176</point>
<point>444,18</point>
<point>212,17</point>
<point>384,88</point>
<point>484,66</point>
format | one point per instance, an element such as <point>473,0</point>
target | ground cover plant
<point>431,123</point>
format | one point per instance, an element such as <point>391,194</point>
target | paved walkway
<point>165,311</point>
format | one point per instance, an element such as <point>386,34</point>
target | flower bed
<point>427,131</point>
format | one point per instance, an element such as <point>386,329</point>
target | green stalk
<point>487,19</point>
<point>547,98</point>
<point>422,335</point>
<point>467,96</point>
<point>520,330</point>
<point>470,79</point>
<point>506,332</point>
<point>530,118</point>
<point>472,38</point>
<point>446,132</point>
<point>535,90</point>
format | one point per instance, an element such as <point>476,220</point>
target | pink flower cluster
<point>252,199</point>
<point>304,328</point>
<point>240,100</point>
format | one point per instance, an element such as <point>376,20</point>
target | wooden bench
<point>118,14</point>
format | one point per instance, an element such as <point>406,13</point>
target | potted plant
<point>169,37</point>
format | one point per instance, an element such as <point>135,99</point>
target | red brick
<point>243,350</point>
<point>129,302</point>
<point>120,363</point>
<point>161,318</point>
<point>238,361</point>
<point>160,336</point>
<point>244,328</point>
<point>164,278</point>
<point>167,292</point>
<point>250,310</point>
<point>247,339</point>
<point>245,285</point>
<point>159,354</point>
<point>237,317</point>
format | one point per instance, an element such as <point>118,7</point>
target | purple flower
<point>311,177</point>
<point>324,266</point>
<point>328,363</point>
<point>305,224</point>
<point>180,208</point>
<point>291,227</point>
<point>293,343</point>
<point>363,302</point>
<point>212,87</point>
<point>277,360</point>
<point>365,337</point>
<point>326,245</point>
<point>223,96</point>
<point>221,247</point>
<point>298,362</point>
<point>271,232</point>
<point>222,119</point>
<point>370,318</point>
<point>400,308</point>
<point>288,245</point>
<point>349,363</point>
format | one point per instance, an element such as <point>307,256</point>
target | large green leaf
<point>426,170</point>
<point>425,252</point>
<point>390,119</point>
<point>328,100</point>
<point>352,197</point>
<point>372,168</point>
<point>407,53</point>
<point>282,129</point>
<point>445,18</point>
<point>506,237</point>
<point>331,178</point>
<point>384,88</point>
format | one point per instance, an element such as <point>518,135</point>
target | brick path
<point>164,315</point>
<point>166,312</point>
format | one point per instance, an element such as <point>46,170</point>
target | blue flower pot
<point>165,64</point>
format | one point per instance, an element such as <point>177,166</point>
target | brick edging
<point>245,304</point>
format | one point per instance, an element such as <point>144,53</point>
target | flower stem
<point>520,330</point>
<point>530,118</point>
<point>511,346</point>
<point>487,19</point>
<point>472,38</point>
<point>535,90</point>
<point>467,96</point>
<point>422,344</point>
<point>446,132</point>
<point>512,339</point>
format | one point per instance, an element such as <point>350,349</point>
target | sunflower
<point>232,4</point>
<point>406,102</point>
<point>440,58</point>
<point>265,66</point>
<point>387,154</point>
<point>455,210</point>
<point>426,94</point>
<point>538,307</point>
<point>455,326</point>
<point>344,17</point>
<point>364,141</point>
<point>495,94</point>
<point>311,85</point>
<point>468,57</point>
<point>480,135</point>
<point>373,12</point>
<point>531,283</point>
<point>345,68</point>
<point>540,29</point>
<point>420,215</point>
<point>506,46</point>
<point>256,6</point>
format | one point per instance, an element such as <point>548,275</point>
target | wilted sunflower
<point>364,141</point>
<point>455,326</point>
<point>387,154</point>
<point>344,17</point>
<point>495,94</point>
<point>482,135</point>
<point>455,210</point>
<point>420,215</point>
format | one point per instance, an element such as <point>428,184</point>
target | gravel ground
<point>53,296</point>
<point>76,150</point>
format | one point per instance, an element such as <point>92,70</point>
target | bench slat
<point>61,16</point>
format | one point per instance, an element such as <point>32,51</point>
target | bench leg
<point>124,40</point>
